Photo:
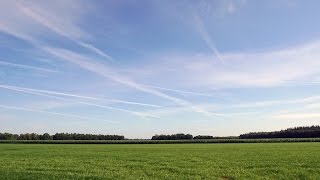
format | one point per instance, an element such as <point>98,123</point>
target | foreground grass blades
<point>160,161</point>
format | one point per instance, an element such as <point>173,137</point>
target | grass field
<point>160,161</point>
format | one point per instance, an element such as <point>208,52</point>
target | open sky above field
<point>139,68</point>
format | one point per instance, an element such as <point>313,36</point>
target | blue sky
<point>140,68</point>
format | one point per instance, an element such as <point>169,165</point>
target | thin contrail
<point>92,67</point>
<point>94,49</point>
<point>37,17</point>
<point>179,91</point>
<point>80,96</point>
<point>81,102</point>
<point>124,110</point>
<point>106,72</point>
<point>26,66</point>
<point>53,113</point>
<point>206,37</point>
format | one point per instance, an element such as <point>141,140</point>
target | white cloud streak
<point>109,73</point>
<point>80,102</point>
<point>265,68</point>
<point>66,28</point>
<point>221,111</point>
<point>26,67</point>
<point>59,30</point>
<point>106,72</point>
<point>80,96</point>
<point>52,113</point>
<point>178,91</point>
<point>94,49</point>
<point>33,14</point>
<point>311,99</point>
<point>206,37</point>
<point>26,20</point>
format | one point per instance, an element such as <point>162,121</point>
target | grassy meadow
<point>160,161</point>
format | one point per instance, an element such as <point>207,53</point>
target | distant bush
<point>203,137</point>
<point>74,136</point>
<point>215,137</point>
<point>172,137</point>
<point>58,136</point>
<point>297,132</point>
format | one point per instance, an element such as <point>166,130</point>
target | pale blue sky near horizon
<point>139,68</point>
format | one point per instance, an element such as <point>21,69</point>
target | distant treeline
<point>297,132</point>
<point>172,137</point>
<point>146,141</point>
<point>215,137</point>
<point>59,136</point>
<point>182,136</point>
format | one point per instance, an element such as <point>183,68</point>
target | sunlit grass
<point>160,161</point>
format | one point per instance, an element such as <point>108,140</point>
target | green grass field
<point>160,161</point>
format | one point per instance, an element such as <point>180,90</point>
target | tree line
<point>59,136</point>
<point>182,136</point>
<point>296,132</point>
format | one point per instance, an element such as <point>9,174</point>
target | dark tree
<point>297,132</point>
<point>59,136</point>
<point>179,136</point>
<point>203,137</point>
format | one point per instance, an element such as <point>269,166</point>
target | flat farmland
<point>160,161</point>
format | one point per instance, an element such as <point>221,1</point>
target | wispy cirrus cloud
<point>217,109</point>
<point>265,68</point>
<point>258,107</point>
<point>197,14</point>
<point>189,65</point>
<point>100,69</point>
<point>32,19</point>
<point>50,112</point>
<point>36,92</point>
<point>65,23</point>
<point>42,19</point>
<point>79,96</point>
<point>180,91</point>
<point>38,16</point>
<point>206,8</point>
<point>75,35</point>
<point>206,37</point>
<point>5,63</point>
<point>270,103</point>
